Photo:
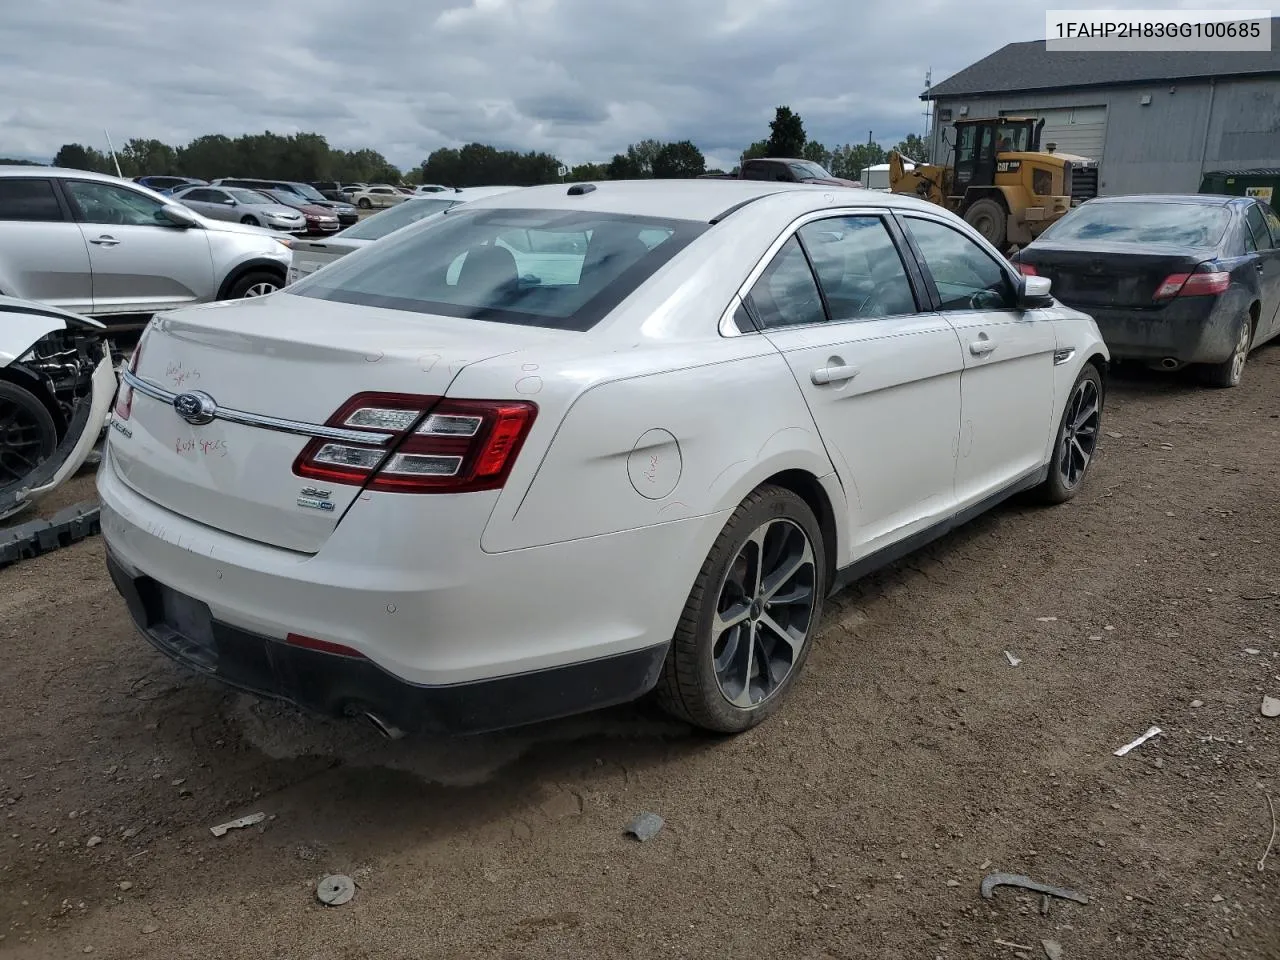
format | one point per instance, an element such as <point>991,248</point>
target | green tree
<point>756,151</point>
<point>624,166</point>
<point>642,154</point>
<point>912,147</point>
<point>786,134</point>
<point>680,160</point>
<point>817,153</point>
<point>850,160</point>
<point>11,162</point>
<point>480,165</point>
<point>588,171</point>
<point>140,158</point>
<point>75,156</point>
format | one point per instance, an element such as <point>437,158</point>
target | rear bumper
<point>338,685</point>
<point>1193,330</point>
<point>403,581</point>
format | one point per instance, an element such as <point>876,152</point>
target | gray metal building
<point>1155,121</point>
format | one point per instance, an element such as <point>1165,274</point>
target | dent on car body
<point>61,360</point>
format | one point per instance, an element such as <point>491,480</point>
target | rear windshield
<point>1184,224</point>
<point>393,218</point>
<point>546,268</point>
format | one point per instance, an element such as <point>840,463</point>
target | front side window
<point>966,276</point>
<point>107,203</point>
<point>786,295</point>
<point>858,267</point>
<point>1257,226</point>
<point>550,268</point>
<point>24,198</point>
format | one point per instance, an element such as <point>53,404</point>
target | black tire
<point>1230,372</point>
<point>1062,483</point>
<point>989,219</point>
<point>28,435</point>
<point>250,221</point>
<point>255,280</point>
<point>364,203</point>
<point>689,688</point>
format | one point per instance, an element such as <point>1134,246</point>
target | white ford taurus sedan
<point>562,447</point>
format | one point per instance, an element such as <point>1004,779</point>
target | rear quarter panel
<point>646,437</point>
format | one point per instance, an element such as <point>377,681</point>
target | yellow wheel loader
<point>1000,181</point>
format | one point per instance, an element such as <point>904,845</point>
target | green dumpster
<point>1262,183</point>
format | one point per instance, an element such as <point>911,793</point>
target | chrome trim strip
<point>1063,356</point>
<point>296,427</point>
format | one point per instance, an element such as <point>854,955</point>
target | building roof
<point>1023,67</point>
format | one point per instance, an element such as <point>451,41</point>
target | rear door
<point>141,262</point>
<point>43,255</point>
<point>1268,267</point>
<point>881,378</point>
<point>208,202</point>
<point>1007,388</point>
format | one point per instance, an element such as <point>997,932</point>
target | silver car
<point>242,205</point>
<point>106,247</point>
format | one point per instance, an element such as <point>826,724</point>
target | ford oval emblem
<point>195,407</point>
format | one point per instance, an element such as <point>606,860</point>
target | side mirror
<point>230,201</point>
<point>1034,292</point>
<point>179,216</point>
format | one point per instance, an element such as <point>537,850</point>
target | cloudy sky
<point>577,78</point>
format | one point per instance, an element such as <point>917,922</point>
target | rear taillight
<point>1026,269</point>
<point>124,399</point>
<point>1193,285</point>
<point>433,445</point>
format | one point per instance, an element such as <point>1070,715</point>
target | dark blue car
<point>1171,280</point>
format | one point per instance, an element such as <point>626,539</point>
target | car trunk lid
<point>1111,274</point>
<point>296,361</point>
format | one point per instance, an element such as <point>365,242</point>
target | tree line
<point>309,157</point>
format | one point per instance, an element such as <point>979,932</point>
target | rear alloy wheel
<point>1077,439</point>
<point>749,621</point>
<point>28,435</point>
<point>1230,372</point>
<point>250,221</point>
<point>989,219</point>
<point>257,284</point>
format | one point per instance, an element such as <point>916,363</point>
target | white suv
<point>101,246</point>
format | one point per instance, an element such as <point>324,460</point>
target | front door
<point>1007,389</point>
<point>881,378</point>
<point>1264,230</point>
<point>141,261</point>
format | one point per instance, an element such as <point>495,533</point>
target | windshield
<point>308,191</point>
<point>808,170</point>
<point>1183,224</point>
<point>248,196</point>
<point>393,218</point>
<point>286,197</point>
<point>1012,138</point>
<point>548,268</point>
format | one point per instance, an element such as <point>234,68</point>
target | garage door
<point>1078,130</point>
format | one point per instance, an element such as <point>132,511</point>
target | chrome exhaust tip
<point>1168,363</point>
<point>388,730</point>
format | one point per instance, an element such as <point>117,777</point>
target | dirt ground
<point>911,761</point>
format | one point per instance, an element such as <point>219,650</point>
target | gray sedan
<point>246,206</point>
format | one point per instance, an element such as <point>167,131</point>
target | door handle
<point>834,373</point>
<point>980,348</point>
<point>105,241</point>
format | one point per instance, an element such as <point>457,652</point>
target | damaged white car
<point>56,387</point>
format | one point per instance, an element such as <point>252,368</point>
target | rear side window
<point>859,268</point>
<point>549,268</point>
<point>786,295</point>
<point>24,198</point>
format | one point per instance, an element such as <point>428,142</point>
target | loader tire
<point>989,219</point>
